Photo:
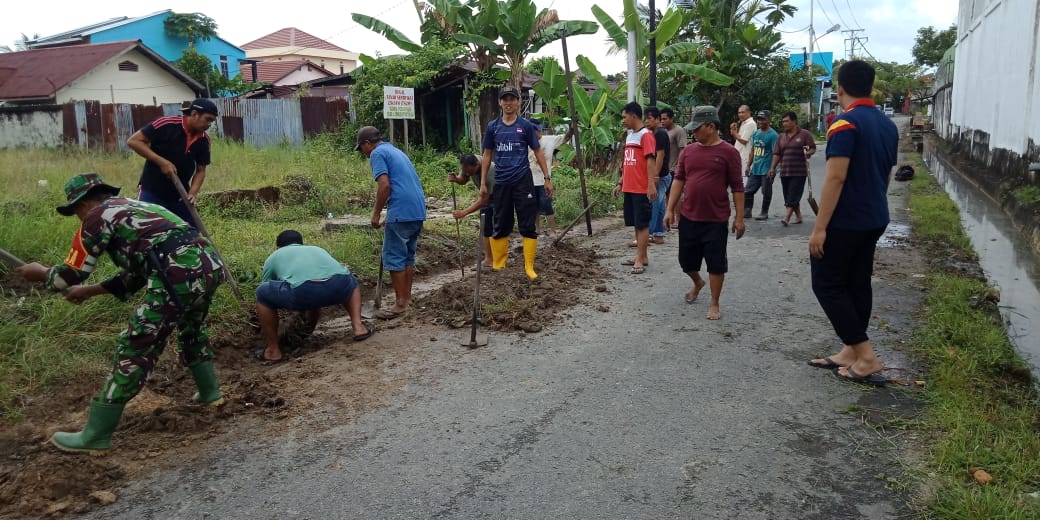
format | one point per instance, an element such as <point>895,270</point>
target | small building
<point>117,72</point>
<point>293,45</point>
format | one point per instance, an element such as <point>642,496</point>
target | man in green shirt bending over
<point>303,278</point>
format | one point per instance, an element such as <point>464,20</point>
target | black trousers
<point>515,197</point>
<point>841,281</point>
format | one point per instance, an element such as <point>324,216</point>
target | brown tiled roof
<point>39,73</point>
<point>272,71</point>
<point>290,37</point>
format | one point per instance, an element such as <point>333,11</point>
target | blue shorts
<point>278,294</point>
<point>545,206</point>
<point>399,242</point>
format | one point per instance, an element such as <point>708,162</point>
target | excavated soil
<point>328,379</point>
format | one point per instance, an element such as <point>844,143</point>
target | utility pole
<point>850,42</point>
<point>653,55</point>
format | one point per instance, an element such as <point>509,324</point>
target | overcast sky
<point>889,26</point>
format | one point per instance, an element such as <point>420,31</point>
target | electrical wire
<point>825,15</point>
<point>853,13</point>
<point>840,18</point>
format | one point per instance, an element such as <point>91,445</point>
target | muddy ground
<point>328,376</point>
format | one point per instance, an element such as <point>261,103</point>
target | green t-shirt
<point>297,263</point>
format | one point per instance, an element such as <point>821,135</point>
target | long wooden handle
<point>205,233</point>
<point>11,260</point>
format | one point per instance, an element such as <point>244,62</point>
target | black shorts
<point>637,210</point>
<point>703,241</point>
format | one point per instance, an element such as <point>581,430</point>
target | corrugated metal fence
<point>258,122</point>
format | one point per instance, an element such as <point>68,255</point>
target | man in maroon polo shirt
<point>707,169</point>
<point>175,145</point>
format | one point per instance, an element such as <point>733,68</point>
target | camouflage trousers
<point>140,345</point>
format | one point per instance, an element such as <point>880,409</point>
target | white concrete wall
<point>150,85</point>
<point>331,60</point>
<point>299,76</point>
<point>996,83</point>
<point>30,129</point>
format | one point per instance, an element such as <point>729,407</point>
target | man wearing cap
<point>762,143</point>
<point>507,140</point>
<point>305,279</point>
<point>707,168</point>
<point>399,190</point>
<point>175,146</point>
<point>157,251</point>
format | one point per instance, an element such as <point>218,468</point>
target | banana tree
<point>674,59</point>
<point>523,30</point>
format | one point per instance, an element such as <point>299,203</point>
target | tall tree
<point>193,27</point>
<point>930,45</point>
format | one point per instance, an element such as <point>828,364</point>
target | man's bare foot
<point>696,291</point>
<point>713,312</point>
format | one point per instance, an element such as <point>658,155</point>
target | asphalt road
<point>647,411</point>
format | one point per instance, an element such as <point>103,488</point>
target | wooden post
<point>577,136</point>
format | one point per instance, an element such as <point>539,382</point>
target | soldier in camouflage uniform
<point>157,251</point>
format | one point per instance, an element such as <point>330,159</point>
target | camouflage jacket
<point>127,229</point>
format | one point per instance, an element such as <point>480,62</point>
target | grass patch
<point>983,408</point>
<point>44,341</point>
<point>1028,194</point>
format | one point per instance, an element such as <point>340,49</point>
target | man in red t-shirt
<point>707,169</point>
<point>638,181</point>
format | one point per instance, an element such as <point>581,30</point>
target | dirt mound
<point>508,299</point>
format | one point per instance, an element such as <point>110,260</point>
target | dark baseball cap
<point>763,114</point>
<point>367,134</point>
<point>202,105</point>
<point>703,115</point>
<point>509,90</point>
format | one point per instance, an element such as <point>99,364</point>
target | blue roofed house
<point>149,29</point>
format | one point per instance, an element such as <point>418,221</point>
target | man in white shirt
<point>742,141</point>
<point>549,144</point>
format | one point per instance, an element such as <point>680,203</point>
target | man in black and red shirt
<point>175,145</point>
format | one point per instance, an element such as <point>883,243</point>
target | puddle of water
<point>896,235</point>
<point>1007,260</point>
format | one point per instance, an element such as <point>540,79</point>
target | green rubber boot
<point>206,382</point>
<point>96,436</point>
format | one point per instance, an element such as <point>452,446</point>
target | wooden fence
<point>94,125</point>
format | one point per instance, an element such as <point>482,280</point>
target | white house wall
<point>149,85</point>
<point>30,129</point>
<point>299,76</point>
<point>333,61</point>
<point>996,82</point>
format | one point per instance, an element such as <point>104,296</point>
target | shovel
<point>475,341</point>
<point>369,310</point>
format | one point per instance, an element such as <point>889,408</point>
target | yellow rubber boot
<point>530,249</point>
<point>499,252</point>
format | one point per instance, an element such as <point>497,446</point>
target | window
<point>224,67</point>
<point>128,66</point>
